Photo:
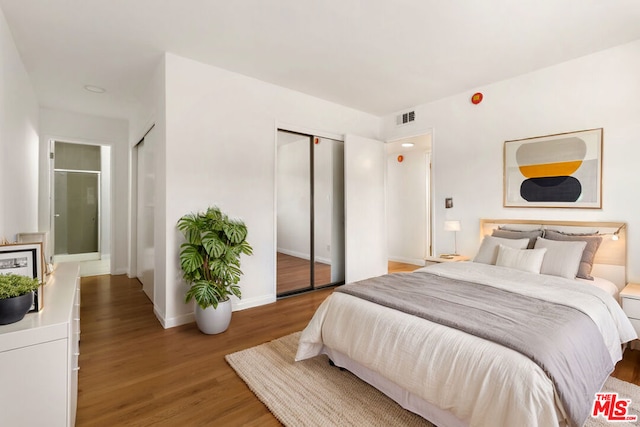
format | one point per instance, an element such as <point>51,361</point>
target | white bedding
<point>480,382</point>
<point>604,284</point>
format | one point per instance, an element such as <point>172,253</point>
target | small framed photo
<point>448,202</point>
<point>26,260</point>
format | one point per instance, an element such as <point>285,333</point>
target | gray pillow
<point>562,258</point>
<point>532,235</point>
<point>488,252</point>
<point>589,253</point>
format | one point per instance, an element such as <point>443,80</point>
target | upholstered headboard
<point>611,259</point>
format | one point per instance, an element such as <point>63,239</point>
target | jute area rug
<point>313,393</point>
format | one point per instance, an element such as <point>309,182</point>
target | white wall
<point>18,142</point>
<point>599,90</point>
<point>74,127</point>
<point>220,150</point>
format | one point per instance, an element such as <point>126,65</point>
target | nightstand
<point>430,260</point>
<point>630,300</point>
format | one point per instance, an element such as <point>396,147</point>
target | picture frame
<point>27,260</point>
<point>554,171</point>
<point>36,237</point>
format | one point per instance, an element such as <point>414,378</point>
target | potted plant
<point>16,296</point>
<point>210,262</point>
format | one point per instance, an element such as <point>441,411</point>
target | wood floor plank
<point>135,373</point>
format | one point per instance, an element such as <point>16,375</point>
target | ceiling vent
<point>403,119</point>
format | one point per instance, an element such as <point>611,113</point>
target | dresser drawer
<point>631,307</point>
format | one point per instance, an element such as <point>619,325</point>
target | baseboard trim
<point>190,317</point>
<point>174,321</point>
<point>245,303</point>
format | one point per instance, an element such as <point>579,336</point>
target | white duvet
<point>480,382</point>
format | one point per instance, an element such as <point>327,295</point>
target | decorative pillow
<point>488,252</point>
<point>589,253</point>
<point>513,234</point>
<point>562,258</point>
<point>521,259</point>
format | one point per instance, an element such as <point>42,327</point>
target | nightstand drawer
<point>631,307</point>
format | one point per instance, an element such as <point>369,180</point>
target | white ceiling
<point>379,56</point>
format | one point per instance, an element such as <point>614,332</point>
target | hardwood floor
<point>135,373</point>
<point>293,273</point>
<point>628,369</point>
<point>398,267</point>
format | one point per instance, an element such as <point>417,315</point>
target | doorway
<point>80,228</point>
<point>408,194</point>
<point>310,212</point>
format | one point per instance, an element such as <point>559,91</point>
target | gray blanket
<point>562,340</point>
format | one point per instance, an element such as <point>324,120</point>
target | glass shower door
<point>76,212</point>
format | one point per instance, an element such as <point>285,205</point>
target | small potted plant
<point>16,296</point>
<point>210,262</point>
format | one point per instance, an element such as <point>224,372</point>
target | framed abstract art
<point>554,171</point>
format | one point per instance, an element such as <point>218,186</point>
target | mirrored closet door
<point>310,212</point>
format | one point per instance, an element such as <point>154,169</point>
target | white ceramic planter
<point>214,320</point>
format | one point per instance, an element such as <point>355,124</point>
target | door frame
<point>51,164</point>
<point>429,197</point>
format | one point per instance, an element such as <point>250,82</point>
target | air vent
<point>403,119</point>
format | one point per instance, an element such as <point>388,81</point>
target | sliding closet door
<point>310,212</point>
<point>365,218</point>
<point>145,256</point>
<point>328,212</point>
<point>293,213</point>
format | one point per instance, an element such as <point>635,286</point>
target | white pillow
<point>488,252</point>
<point>521,259</point>
<point>562,257</point>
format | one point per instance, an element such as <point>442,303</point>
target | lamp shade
<point>452,225</point>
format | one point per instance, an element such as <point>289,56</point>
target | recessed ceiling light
<point>95,89</point>
<point>407,144</point>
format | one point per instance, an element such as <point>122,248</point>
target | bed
<point>453,377</point>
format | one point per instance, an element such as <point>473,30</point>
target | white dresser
<point>39,357</point>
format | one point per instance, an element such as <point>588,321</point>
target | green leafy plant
<point>14,285</point>
<point>210,257</point>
